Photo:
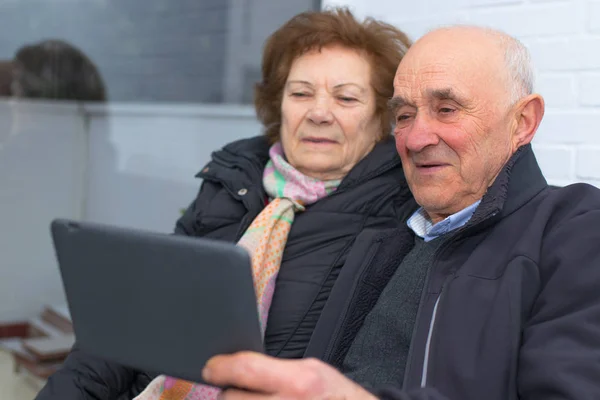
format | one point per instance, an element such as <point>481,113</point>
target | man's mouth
<point>430,166</point>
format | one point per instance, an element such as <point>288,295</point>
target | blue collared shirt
<point>421,224</point>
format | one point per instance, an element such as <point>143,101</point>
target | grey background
<point>205,51</point>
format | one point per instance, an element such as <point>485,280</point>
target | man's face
<point>453,122</point>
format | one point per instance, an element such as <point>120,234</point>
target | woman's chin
<point>322,171</point>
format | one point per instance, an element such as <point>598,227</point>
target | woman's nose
<point>320,112</point>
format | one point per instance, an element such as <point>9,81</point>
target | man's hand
<point>256,376</point>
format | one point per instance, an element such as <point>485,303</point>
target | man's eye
<point>299,94</point>
<point>446,110</point>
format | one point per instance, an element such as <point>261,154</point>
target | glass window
<point>108,109</point>
<point>198,51</point>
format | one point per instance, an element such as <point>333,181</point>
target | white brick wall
<point>594,21</point>
<point>589,89</point>
<point>587,162</point>
<point>564,39</point>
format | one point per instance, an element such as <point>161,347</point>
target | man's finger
<point>251,371</point>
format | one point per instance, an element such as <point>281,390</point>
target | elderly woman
<point>298,197</point>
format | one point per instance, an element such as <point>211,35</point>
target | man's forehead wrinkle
<point>419,84</point>
<point>422,72</point>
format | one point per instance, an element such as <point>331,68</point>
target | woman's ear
<point>528,115</point>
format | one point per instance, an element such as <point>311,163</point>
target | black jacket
<point>373,196</point>
<point>511,306</point>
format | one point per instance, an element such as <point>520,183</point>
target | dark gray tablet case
<point>160,303</point>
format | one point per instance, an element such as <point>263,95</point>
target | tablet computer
<point>159,303</point>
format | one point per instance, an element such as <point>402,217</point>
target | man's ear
<point>528,115</point>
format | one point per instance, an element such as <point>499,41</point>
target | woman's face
<point>328,121</point>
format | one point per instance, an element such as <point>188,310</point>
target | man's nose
<point>422,133</point>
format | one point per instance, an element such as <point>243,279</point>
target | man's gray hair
<point>519,67</point>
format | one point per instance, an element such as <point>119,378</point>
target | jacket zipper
<point>431,332</point>
<point>428,343</point>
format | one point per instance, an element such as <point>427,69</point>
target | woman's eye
<point>299,94</point>
<point>346,99</point>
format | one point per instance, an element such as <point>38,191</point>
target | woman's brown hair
<point>382,43</point>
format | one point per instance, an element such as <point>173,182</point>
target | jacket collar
<point>242,161</point>
<point>518,182</point>
<point>381,159</point>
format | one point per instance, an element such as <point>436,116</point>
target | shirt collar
<point>422,226</point>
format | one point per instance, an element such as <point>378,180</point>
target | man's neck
<point>439,217</point>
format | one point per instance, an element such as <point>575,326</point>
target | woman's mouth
<point>317,140</point>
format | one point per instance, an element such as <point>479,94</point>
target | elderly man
<point>493,289</point>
